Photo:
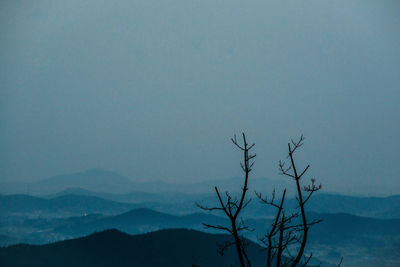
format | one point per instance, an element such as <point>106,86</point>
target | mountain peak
<point>105,234</point>
<point>145,213</point>
<point>99,171</point>
<point>93,179</point>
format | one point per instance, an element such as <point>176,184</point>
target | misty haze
<point>127,131</point>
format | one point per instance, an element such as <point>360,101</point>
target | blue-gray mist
<point>154,89</point>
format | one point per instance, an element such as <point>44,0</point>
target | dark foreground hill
<point>174,248</point>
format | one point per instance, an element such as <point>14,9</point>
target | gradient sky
<point>155,89</point>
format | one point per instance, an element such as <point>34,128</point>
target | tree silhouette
<point>287,234</point>
<point>286,239</point>
<point>233,206</point>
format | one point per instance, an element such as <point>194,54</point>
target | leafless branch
<point>232,207</point>
<point>340,262</point>
<point>287,237</point>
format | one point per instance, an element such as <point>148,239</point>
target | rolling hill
<point>94,179</point>
<point>357,238</point>
<point>181,203</point>
<point>45,230</point>
<point>62,206</point>
<point>175,248</point>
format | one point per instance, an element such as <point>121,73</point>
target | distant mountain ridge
<point>94,179</point>
<point>111,183</point>
<point>61,206</point>
<point>99,180</point>
<point>131,197</point>
<point>376,207</point>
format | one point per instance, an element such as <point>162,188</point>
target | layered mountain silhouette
<point>112,186</point>
<point>94,179</point>
<point>77,201</point>
<point>100,180</point>
<point>357,238</point>
<point>363,229</point>
<point>62,206</point>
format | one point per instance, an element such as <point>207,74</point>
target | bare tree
<point>287,233</point>
<point>286,239</point>
<point>233,206</point>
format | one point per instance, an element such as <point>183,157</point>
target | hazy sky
<point>155,89</point>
